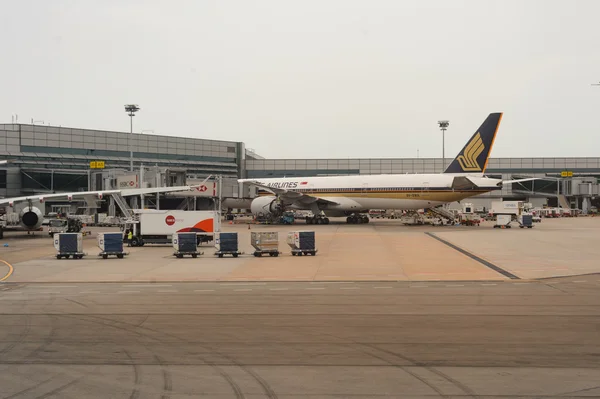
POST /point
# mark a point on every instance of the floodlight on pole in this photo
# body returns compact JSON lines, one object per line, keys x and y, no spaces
{"x":131,"y":109}
{"x":443,"y":126}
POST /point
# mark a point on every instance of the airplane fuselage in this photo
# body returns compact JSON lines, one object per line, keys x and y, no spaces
{"x":399,"y":191}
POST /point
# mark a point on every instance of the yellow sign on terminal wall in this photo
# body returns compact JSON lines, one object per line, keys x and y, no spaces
{"x":97,"y":165}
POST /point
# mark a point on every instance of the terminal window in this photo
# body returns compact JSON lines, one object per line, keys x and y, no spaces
{"x":2,"y":179}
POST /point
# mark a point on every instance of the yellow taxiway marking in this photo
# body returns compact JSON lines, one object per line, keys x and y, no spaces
{"x":10,"y":270}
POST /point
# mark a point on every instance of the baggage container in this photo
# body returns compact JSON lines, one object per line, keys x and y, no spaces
{"x":302,"y":242}
{"x":526,"y":221}
{"x":227,"y":244}
{"x":111,"y":244}
{"x":265,"y":242}
{"x":185,"y":244}
{"x":503,"y":221}
{"x":69,"y":244}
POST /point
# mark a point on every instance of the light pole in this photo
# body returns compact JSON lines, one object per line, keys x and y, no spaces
{"x":131,"y":109}
{"x":443,"y":126}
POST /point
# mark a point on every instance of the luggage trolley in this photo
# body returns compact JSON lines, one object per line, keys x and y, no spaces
{"x":265,"y":242}
{"x":111,"y":244}
{"x":227,"y":244}
{"x":69,"y":244}
{"x":302,"y":243}
{"x":186,"y":244}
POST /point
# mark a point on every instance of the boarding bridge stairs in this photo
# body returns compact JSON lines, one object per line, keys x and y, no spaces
{"x":125,"y":209}
{"x":183,"y":206}
{"x":444,"y":213}
{"x":563,"y":202}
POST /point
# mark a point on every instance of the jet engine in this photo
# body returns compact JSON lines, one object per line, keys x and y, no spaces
{"x":268,"y":206}
{"x":31,"y":218}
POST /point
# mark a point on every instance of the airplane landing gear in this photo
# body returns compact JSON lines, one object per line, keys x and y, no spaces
{"x":317,"y":220}
{"x":357,"y":219}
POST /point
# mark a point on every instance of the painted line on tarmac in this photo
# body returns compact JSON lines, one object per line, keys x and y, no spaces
{"x":382,"y":288}
{"x":476,"y":258}
{"x":11,"y":269}
{"x":52,"y":286}
{"x":278,"y":289}
{"x":128,"y":292}
{"x":315,"y":288}
{"x":204,"y":290}
{"x":349,"y":288}
{"x":244,"y":289}
{"x":146,"y":285}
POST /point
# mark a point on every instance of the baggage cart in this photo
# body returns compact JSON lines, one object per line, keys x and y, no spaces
{"x":69,"y":245}
{"x":186,"y":244}
{"x":265,"y":242}
{"x":227,"y":244}
{"x":111,"y":244}
{"x":526,"y":221}
{"x":503,"y":221}
{"x":302,"y":243}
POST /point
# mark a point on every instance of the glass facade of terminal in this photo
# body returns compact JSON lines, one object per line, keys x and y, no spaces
{"x":322,"y":167}
{"x":52,"y":158}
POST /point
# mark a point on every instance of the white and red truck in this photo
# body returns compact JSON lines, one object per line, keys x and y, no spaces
{"x":158,"y":226}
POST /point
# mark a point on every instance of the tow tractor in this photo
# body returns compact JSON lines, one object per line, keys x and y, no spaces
{"x":68,"y":225}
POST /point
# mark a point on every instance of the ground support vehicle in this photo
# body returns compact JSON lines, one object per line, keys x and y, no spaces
{"x":227,"y":244}
{"x":186,"y":244}
{"x":158,"y":226}
{"x":265,"y":242}
{"x":302,"y":243}
{"x":111,"y":244}
{"x":69,"y":245}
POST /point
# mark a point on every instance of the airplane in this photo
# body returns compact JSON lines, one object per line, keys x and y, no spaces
{"x":31,"y":218}
{"x":354,"y":195}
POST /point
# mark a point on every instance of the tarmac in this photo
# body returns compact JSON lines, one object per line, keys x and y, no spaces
{"x":382,"y":311}
{"x":379,"y":251}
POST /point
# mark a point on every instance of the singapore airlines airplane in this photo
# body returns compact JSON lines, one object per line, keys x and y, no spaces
{"x":352,"y":195}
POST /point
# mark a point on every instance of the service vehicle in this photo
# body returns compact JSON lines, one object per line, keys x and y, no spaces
{"x":151,"y":226}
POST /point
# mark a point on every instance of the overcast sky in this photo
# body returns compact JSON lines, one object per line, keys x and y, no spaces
{"x":312,"y":79}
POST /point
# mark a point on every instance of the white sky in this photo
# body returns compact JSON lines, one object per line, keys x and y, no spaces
{"x":312,"y":78}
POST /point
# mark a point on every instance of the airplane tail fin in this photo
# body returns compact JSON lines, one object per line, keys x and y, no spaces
{"x":473,"y":158}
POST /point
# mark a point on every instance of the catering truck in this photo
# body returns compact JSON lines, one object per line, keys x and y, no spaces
{"x":158,"y":226}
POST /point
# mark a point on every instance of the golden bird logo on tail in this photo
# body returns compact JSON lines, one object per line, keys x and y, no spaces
{"x":468,"y":159}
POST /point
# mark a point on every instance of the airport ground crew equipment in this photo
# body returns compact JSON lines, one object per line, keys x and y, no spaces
{"x":227,"y":244}
{"x":525,"y":220}
{"x":302,"y":243}
{"x":265,"y":242}
{"x":503,"y":221}
{"x":111,"y":244}
{"x":287,"y":218}
{"x":69,"y":244}
{"x":185,"y":244}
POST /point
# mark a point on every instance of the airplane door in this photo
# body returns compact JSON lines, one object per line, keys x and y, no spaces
{"x":425,"y":191}
{"x":364,"y":189}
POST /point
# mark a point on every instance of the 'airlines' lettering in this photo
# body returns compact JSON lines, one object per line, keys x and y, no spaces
{"x":288,"y":184}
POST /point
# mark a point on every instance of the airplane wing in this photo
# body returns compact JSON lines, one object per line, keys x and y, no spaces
{"x":522,"y":180}
{"x":97,"y":194}
{"x":291,"y":195}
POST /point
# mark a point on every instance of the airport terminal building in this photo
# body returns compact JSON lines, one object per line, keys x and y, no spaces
{"x":45,"y":159}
